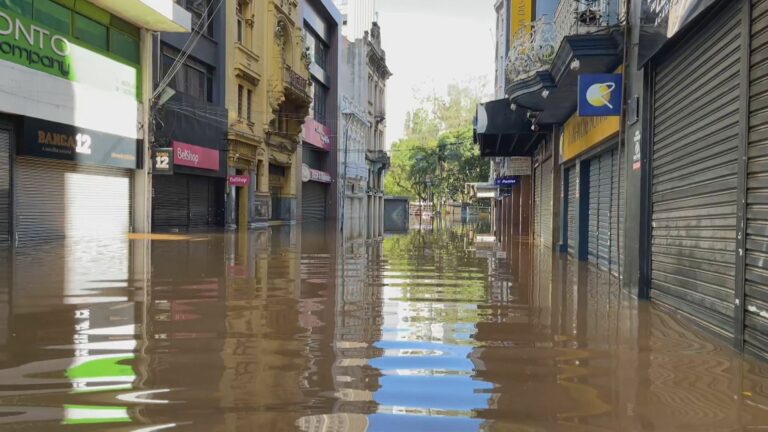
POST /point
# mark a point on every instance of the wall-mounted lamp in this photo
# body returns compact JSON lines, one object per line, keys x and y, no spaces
{"x":575,"y":65}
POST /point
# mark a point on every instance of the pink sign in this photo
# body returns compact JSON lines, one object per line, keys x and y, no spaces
{"x":195,"y":156}
{"x":239,"y":180}
{"x":317,"y":134}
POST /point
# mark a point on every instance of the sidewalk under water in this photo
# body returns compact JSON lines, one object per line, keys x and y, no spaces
{"x":439,"y":329}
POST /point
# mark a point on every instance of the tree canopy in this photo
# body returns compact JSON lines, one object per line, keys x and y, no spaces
{"x":437,"y":156}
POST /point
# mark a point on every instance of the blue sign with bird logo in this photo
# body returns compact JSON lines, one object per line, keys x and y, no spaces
{"x":600,"y":95}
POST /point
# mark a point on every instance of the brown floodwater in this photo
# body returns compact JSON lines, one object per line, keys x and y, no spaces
{"x":291,"y":329}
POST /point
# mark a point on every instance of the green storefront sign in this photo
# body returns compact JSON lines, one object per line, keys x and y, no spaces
{"x":26,"y":43}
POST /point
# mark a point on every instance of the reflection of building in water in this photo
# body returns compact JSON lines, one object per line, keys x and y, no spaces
{"x":334,"y":423}
{"x":72,"y":337}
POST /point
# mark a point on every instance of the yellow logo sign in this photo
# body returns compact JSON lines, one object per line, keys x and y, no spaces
{"x":599,"y":95}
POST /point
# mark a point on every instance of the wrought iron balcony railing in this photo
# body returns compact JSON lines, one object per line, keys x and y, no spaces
{"x":296,"y":81}
{"x":535,"y":46}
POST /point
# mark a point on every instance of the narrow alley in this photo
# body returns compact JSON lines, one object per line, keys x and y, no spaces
{"x":439,"y":329}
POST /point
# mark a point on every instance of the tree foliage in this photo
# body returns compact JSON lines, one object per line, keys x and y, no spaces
{"x":437,"y":156}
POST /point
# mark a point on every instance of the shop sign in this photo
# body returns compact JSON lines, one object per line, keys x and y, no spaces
{"x":309,"y":174}
{"x":195,"y":156}
{"x":662,"y":19}
{"x":32,"y":45}
{"x":317,"y":134}
{"x":60,"y":141}
{"x":520,"y":17}
{"x":600,"y":95}
{"x":583,"y":133}
{"x":506,"y":181}
{"x":238,"y":180}
{"x":162,"y":161}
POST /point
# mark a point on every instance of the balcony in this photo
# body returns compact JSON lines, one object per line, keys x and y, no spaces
{"x":296,"y":83}
{"x":534,"y":48}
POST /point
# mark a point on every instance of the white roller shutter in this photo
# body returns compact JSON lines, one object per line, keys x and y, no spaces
{"x":59,"y":199}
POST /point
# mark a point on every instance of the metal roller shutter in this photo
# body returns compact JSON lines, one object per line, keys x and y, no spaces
{"x":756,"y":270}
{"x":604,"y":211}
{"x":5,"y":186}
{"x":573,"y":208}
{"x":537,"y":203}
{"x":200,"y":202}
{"x":61,"y":199}
{"x":617,"y":212}
{"x":594,"y":210}
{"x":694,"y":179}
{"x":313,"y":202}
{"x":170,"y":202}
{"x":546,"y":202}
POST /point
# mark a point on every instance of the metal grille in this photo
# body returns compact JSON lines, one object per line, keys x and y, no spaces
{"x":756,"y":286}
{"x":5,"y":186}
{"x":618,"y":196}
{"x":60,"y":199}
{"x":604,"y":210}
{"x":313,"y":201}
{"x":537,"y":203}
{"x":594,"y":210}
{"x":694,"y":179}
{"x":170,"y":203}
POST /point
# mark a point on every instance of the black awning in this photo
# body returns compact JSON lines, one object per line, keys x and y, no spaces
{"x":553,"y":93}
{"x":502,"y":132}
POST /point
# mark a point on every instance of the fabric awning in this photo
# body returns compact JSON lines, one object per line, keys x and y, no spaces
{"x":502,"y":132}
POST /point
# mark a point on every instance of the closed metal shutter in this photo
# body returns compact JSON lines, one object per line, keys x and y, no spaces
{"x":618,"y":195}
{"x":537,"y":203}
{"x":546,"y":203}
{"x":313,"y":201}
{"x":573,"y":208}
{"x":594,"y":210}
{"x":694,"y":178}
{"x":202,"y":202}
{"x":604,"y":211}
{"x":756,"y":287}
{"x":5,"y":186}
{"x":60,"y":199}
{"x":170,"y":202}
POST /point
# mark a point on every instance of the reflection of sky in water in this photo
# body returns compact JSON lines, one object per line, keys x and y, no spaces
{"x":396,"y":422}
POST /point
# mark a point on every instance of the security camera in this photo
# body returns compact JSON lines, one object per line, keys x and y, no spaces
{"x":545,"y":94}
{"x":535,"y":127}
{"x":513,"y":107}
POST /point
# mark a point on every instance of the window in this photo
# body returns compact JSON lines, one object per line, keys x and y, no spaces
{"x":240,"y":21}
{"x":53,"y":15}
{"x":248,"y":104}
{"x":193,"y":78}
{"x":200,"y":11}
{"x":123,"y":45}
{"x":319,"y":101}
{"x":21,"y":7}
{"x":91,"y":32}
{"x":318,"y":51}
{"x":240,"y":101}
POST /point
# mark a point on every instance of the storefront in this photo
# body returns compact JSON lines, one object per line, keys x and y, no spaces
{"x":72,"y":182}
{"x":696,"y":146}
{"x":316,"y":182}
{"x":70,"y":125}
{"x":192,"y":198}
{"x":593,"y":184}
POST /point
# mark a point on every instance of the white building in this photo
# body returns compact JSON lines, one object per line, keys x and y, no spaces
{"x":357,"y":16}
{"x":363,"y":159}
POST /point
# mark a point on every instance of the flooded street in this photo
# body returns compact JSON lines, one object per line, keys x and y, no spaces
{"x":439,"y":329}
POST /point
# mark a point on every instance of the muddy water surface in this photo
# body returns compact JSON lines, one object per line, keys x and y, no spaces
{"x":436,"y":330}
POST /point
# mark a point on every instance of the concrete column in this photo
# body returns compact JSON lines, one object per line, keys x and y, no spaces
{"x":142,"y":182}
{"x":381,"y":216}
{"x":252,"y":199}
{"x":370,"y":217}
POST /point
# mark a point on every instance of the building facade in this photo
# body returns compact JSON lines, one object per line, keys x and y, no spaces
{"x":320,"y":150}
{"x":355,"y":126}
{"x":666,"y":193}
{"x":192,"y":123}
{"x":376,"y":156}
{"x":267,"y":98}
{"x":74,"y":145}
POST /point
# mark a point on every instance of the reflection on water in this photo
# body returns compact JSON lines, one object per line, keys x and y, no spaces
{"x":442,"y":329}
